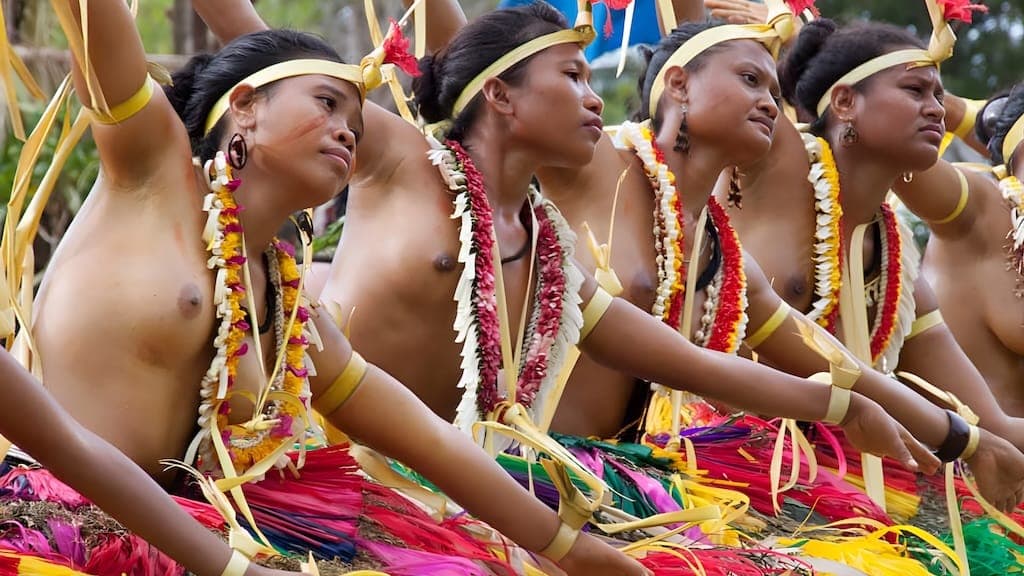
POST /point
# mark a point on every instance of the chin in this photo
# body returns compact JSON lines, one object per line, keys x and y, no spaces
{"x":922,"y":159}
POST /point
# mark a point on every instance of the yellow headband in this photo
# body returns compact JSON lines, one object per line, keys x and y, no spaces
{"x":780,"y":27}
{"x":1012,"y":139}
{"x":348,"y":72}
{"x":583,"y":34}
{"x":940,"y":49}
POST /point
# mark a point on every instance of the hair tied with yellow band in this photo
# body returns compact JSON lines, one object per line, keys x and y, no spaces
{"x":940,"y":46}
{"x":373,"y":70}
{"x":779,"y":26}
{"x":582,"y":33}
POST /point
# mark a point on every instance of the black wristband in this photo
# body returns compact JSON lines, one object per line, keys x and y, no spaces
{"x":956,"y":439}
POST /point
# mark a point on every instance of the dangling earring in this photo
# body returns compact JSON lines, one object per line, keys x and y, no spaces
{"x":735,"y":192}
{"x":850,"y":136}
{"x":238,"y":152}
{"x":683,"y":137}
{"x":908,"y":177}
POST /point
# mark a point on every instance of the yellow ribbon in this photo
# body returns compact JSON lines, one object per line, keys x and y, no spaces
{"x":940,"y":49}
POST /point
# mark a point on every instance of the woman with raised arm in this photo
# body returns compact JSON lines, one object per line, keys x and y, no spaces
{"x":875,"y":98}
{"x":973,"y":259}
{"x":196,"y":323}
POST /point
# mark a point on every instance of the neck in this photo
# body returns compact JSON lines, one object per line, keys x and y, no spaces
{"x":506,"y":169}
{"x":864,"y":183}
{"x":696,"y":173}
{"x":262,"y":213}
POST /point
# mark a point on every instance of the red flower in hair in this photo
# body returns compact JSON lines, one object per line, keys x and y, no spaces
{"x":960,"y":10}
{"x":798,"y":6}
{"x":396,"y":51}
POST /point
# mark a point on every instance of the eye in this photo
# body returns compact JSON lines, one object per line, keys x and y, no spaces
{"x":328,"y":102}
{"x":574,"y":75}
{"x":914,"y":89}
{"x":750,"y":78}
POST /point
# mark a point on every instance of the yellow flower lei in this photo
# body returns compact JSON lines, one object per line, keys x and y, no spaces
{"x":282,"y":406}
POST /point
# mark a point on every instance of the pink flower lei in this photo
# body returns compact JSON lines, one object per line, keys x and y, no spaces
{"x":555,"y":316}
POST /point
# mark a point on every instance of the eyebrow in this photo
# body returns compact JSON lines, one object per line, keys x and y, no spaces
{"x":356,"y":124}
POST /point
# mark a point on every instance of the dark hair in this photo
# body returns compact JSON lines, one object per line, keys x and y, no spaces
{"x":655,"y":61}
{"x":1012,"y":110}
{"x":207,"y":77}
{"x":478,"y":45}
{"x":823,"y":53}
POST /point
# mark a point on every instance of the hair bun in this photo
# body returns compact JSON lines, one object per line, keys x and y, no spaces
{"x":427,"y":91}
{"x":183,"y":82}
{"x":807,"y":46}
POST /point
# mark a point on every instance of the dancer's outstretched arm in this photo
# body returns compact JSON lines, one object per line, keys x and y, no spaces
{"x":383,"y":414}
{"x":35,"y":422}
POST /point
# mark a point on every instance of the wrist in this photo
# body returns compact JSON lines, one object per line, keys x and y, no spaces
{"x":961,"y":439}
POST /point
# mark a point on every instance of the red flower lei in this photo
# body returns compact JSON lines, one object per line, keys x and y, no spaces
{"x":548,"y":335}
{"x":892,"y":274}
{"x":730,"y":319}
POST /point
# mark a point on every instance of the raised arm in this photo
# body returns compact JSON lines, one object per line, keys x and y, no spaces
{"x":947,"y":198}
{"x":133,"y":142}
{"x":385,"y":415}
{"x":35,"y":422}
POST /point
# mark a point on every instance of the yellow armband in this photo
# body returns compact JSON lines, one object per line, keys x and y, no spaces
{"x":129,"y":107}
{"x":971,"y":108}
{"x":924,"y":323}
{"x":561,"y":543}
{"x":769,"y":327}
{"x":594,"y":311}
{"x":961,"y":203}
{"x":343,"y":387}
{"x":237,"y":565}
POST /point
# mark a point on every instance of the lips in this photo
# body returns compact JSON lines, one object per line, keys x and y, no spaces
{"x":766,"y":122}
{"x":341,"y":154}
{"x":594,"y":123}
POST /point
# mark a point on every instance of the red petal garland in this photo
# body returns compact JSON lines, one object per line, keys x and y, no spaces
{"x":893,"y":246}
{"x":734,"y":282}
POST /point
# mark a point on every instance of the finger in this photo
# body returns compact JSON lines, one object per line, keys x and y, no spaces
{"x":734,"y":16}
{"x":926,"y":460}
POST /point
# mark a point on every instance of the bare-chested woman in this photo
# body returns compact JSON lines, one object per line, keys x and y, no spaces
{"x":717,"y":110}
{"x":973,"y":259}
{"x":541,"y":111}
{"x":127,"y":324}
{"x":878,"y":130}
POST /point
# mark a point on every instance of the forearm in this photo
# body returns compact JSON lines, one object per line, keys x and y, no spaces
{"x":103,"y":474}
{"x":955,"y":374}
{"x":631,"y":341}
{"x":115,"y":484}
{"x":229,"y":19}
{"x":927,"y":422}
{"x":444,"y":19}
{"x":386,"y":416}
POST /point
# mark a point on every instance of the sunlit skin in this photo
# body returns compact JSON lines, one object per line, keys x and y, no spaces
{"x":898,"y":116}
{"x":967,"y":263}
{"x":125,"y":321}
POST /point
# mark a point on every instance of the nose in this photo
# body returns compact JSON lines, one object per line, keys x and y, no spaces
{"x":769,"y":105}
{"x":934,"y":109}
{"x":346,"y":137}
{"x":591,"y":101}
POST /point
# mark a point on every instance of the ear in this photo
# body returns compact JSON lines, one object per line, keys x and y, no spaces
{"x":844,"y":101}
{"x":677,"y":81}
{"x":497,"y":95}
{"x":241,"y":102}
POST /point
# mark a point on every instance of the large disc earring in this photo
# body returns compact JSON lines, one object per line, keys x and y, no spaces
{"x":238,"y":152}
{"x":683,"y":136}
